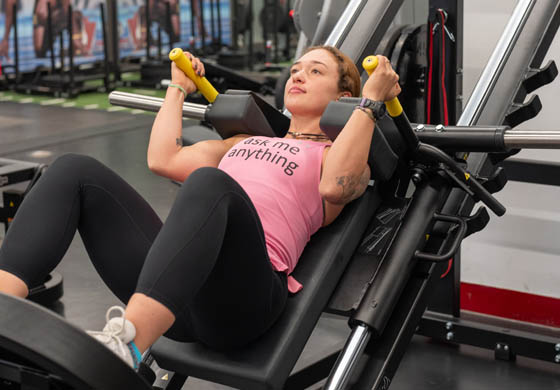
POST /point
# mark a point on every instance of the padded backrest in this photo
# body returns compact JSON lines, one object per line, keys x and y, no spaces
{"x":267,"y":362}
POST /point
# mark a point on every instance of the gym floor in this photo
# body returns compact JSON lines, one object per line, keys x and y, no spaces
{"x":119,"y":140}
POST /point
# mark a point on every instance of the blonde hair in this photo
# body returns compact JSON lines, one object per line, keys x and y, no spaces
{"x":349,"y":77}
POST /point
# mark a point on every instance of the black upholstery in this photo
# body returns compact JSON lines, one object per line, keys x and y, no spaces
{"x":197,"y":133}
{"x":267,"y":363}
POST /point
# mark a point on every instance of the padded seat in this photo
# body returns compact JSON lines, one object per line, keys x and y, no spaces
{"x":267,"y":362}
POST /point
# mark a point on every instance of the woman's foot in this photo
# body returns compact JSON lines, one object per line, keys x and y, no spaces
{"x":118,"y":335}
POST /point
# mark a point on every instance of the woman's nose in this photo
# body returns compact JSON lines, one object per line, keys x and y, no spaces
{"x":297,"y":76}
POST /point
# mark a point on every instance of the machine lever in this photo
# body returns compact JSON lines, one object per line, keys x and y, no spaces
{"x":496,"y":182}
{"x":539,"y":77}
{"x":477,"y":221}
{"x":459,"y":236}
{"x":523,"y":112}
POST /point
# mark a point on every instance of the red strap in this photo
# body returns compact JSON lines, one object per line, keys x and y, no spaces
{"x":430,"y":71}
{"x":443,"y":88}
{"x":449,"y":264}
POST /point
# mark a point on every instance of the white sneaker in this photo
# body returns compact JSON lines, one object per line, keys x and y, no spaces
{"x":118,"y":335}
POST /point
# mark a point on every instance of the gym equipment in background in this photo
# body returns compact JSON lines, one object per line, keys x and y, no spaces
{"x":14,"y":172}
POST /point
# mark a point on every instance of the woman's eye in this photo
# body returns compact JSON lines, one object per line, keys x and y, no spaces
{"x":316,"y":71}
{"x":293,"y":70}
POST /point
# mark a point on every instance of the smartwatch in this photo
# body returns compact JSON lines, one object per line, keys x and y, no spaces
{"x":377,"y":108}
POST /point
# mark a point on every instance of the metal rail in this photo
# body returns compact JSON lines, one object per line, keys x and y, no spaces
{"x":532,"y":139}
{"x":496,"y":63}
{"x":153,"y":104}
{"x":348,"y":358}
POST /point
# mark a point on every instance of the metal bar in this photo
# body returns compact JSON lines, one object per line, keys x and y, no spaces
{"x":531,"y":171}
{"x":516,"y":139}
{"x":219,"y":15}
{"x":275,"y":32}
{"x":202,"y":27}
{"x":153,"y":104}
{"x":345,"y":23}
{"x":534,"y":344}
{"x":148,"y":25}
{"x":70,"y":52}
{"x":348,"y":358}
{"x":496,"y":63}
{"x":288,"y":27}
{"x":193,"y":27}
{"x":50,"y":36}
{"x":212,"y":24}
{"x":234,"y":21}
{"x":169,"y":22}
{"x":251,"y":54}
{"x":368,"y":23}
{"x":105,"y":47}
{"x":16,"y":44}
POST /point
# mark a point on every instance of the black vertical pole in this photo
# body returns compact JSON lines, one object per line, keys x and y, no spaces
{"x":159,"y":43}
{"x":250,"y":59}
{"x":71,"y":51}
{"x":234,"y":9}
{"x":16,"y":45}
{"x":105,"y":48}
{"x":50,"y":36}
{"x":212,"y":28}
{"x":288,"y":27}
{"x":171,"y":34}
{"x":116,"y":40}
{"x":275,"y":29}
{"x":446,"y":299}
{"x":148,"y":25}
{"x":61,"y":41}
{"x":193,"y":26}
{"x":202,"y":32}
{"x":219,"y":23}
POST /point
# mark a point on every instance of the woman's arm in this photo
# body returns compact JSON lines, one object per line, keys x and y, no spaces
{"x":346,"y":173}
{"x":166,"y":155}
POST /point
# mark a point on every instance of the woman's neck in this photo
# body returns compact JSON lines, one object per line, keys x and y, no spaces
{"x":309,"y":125}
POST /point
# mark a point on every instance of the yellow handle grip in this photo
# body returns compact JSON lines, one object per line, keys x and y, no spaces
{"x":394,"y":107}
{"x":181,"y":60}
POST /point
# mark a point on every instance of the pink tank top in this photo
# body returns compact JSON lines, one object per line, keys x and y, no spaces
{"x":281,"y":177}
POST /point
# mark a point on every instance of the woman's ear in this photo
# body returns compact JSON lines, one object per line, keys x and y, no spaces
{"x":345,"y":94}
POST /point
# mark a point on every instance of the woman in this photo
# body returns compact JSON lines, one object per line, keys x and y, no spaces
{"x":217,"y":270}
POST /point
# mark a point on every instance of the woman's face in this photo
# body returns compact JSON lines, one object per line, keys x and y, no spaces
{"x":313,"y":83}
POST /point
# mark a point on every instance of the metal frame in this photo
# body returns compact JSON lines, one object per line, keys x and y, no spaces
{"x":503,"y":84}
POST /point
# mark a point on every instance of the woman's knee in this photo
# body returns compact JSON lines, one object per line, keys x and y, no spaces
{"x":211,"y":180}
{"x":72,"y":167}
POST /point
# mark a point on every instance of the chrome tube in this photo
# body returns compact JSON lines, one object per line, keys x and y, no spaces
{"x":348,"y":358}
{"x":496,"y":63}
{"x":150,"y":103}
{"x":532,"y":139}
{"x":345,"y":23}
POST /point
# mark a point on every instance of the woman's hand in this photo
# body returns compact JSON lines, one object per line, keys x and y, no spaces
{"x":383,"y":83}
{"x":180,"y":78}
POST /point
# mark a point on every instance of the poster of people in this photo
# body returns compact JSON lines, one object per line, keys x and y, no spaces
{"x":34,"y":46}
{"x":133,"y":32}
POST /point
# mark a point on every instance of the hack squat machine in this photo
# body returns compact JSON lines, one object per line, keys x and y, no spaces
{"x":379,"y":264}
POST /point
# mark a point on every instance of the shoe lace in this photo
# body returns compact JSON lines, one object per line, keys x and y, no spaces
{"x":113,"y":333}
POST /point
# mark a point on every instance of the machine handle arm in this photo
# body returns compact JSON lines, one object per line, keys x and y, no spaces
{"x":395,"y":110}
{"x":394,"y":107}
{"x":181,"y":60}
{"x":435,"y":154}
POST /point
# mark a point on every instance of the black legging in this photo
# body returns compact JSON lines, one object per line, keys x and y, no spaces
{"x":207,"y":263}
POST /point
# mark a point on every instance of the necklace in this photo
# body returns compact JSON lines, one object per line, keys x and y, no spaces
{"x":310,"y":136}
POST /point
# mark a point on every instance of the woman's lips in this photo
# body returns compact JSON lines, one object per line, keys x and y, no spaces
{"x":296,"y":90}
